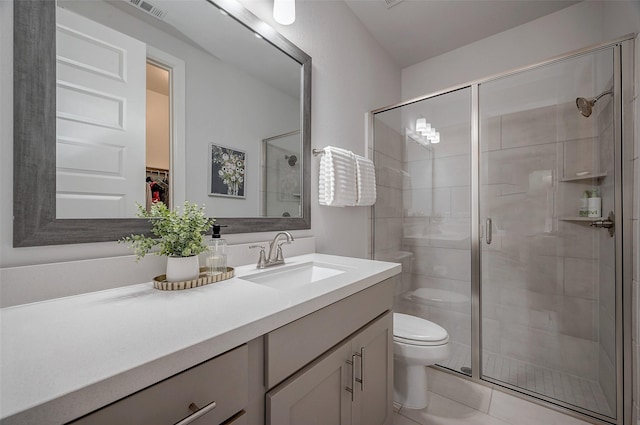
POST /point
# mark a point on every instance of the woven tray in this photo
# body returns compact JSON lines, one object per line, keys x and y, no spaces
{"x":160,"y":282}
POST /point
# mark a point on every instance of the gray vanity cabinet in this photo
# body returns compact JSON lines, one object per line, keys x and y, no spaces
{"x":212,"y":393}
{"x":350,"y":384}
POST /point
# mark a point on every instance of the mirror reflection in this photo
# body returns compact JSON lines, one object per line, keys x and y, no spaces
{"x":162,"y":101}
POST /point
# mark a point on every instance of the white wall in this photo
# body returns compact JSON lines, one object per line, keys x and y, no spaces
{"x":351,"y":75}
{"x":578,"y":26}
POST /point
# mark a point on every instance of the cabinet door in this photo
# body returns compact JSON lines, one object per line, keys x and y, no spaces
{"x":316,"y":395}
{"x":373,"y":347}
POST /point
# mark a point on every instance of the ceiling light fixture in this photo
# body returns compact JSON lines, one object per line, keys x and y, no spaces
{"x":284,"y":11}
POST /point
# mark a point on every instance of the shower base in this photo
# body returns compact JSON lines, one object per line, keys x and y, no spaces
{"x":552,"y":383}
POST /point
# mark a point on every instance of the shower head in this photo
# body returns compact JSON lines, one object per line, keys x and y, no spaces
{"x":291,"y":160}
{"x":585,"y":106}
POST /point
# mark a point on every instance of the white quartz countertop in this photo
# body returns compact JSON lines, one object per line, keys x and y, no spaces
{"x":66,"y":357}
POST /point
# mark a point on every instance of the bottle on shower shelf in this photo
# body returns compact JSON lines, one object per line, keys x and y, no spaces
{"x":594,"y":203}
{"x":583,"y":211}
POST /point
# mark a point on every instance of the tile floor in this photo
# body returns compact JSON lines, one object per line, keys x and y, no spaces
{"x":456,"y":401}
{"x":549,"y":382}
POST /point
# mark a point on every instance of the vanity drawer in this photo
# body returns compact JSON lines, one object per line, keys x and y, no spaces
{"x":239,"y":419}
{"x":223,"y":380}
{"x":291,"y":347}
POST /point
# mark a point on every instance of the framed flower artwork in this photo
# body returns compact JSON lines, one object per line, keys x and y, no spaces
{"x":227,"y":171}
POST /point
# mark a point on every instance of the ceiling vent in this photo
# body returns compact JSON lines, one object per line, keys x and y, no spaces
{"x":391,"y":3}
{"x":147,"y":7}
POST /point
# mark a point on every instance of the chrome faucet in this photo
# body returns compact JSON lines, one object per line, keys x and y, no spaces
{"x":279,"y":258}
{"x":275,"y":256}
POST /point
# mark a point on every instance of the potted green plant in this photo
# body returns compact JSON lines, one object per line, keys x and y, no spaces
{"x":179,"y":236}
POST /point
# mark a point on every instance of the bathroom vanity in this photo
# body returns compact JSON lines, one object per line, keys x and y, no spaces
{"x":241,"y":351}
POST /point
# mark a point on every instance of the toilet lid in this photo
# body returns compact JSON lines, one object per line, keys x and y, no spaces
{"x":417,"y":331}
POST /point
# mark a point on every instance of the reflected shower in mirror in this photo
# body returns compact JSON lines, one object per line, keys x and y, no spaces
{"x":281,"y":175}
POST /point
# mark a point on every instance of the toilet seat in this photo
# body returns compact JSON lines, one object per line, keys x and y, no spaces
{"x":417,"y":331}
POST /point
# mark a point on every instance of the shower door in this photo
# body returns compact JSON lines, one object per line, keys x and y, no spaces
{"x":547,"y":273}
{"x":423,"y":213}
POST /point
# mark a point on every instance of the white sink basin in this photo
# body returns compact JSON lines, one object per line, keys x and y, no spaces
{"x":295,"y":275}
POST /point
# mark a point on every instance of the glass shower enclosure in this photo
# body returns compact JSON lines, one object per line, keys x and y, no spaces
{"x":503,"y":201}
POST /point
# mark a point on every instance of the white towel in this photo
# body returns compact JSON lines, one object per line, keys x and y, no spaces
{"x":366,"y":179}
{"x":337,"y":183}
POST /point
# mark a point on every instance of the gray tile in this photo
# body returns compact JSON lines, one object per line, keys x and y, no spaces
{"x":578,"y":317}
{"x":490,"y":133}
{"x":581,"y":278}
{"x":571,"y":125}
{"x":531,"y":127}
{"x":580,"y":156}
{"x":458,"y":389}
{"x":520,"y":412}
{"x":402,"y":420}
{"x":454,"y":140}
{"x":443,"y":411}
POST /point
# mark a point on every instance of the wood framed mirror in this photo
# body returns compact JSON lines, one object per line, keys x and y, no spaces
{"x":36,"y":221}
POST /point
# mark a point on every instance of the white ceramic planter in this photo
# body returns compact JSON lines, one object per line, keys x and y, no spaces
{"x":180,"y":269}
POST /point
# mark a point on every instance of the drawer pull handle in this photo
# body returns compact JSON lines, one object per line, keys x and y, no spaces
{"x":352,"y":363}
{"x":197,"y":413}
{"x":361,"y":380}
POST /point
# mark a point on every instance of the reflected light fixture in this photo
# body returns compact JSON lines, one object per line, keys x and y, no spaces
{"x":421,"y":125}
{"x":284,"y":11}
{"x":427,"y":131}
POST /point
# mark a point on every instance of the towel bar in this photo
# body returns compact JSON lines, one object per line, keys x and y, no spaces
{"x":317,"y":152}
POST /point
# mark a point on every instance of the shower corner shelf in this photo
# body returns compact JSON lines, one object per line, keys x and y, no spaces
{"x":585,"y":177}
{"x":584,"y":219}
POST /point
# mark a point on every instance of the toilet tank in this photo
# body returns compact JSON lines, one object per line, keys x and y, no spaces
{"x":406,"y":259}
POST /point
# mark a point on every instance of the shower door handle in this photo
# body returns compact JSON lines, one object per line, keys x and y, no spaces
{"x":488,"y":229}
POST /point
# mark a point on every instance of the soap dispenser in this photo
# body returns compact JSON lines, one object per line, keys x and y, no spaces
{"x":217,"y":253}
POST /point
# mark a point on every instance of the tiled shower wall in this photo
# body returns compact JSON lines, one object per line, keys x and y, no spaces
{"x":281,"y":194}
{"x":389,"y":175}
{"x":436,"y":199}
{"x":606,"y":257}
{"x":389,"y":231}
{"x":543,"y":299}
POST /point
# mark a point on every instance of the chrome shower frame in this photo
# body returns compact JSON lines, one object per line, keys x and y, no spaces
{"x":623,"y":94}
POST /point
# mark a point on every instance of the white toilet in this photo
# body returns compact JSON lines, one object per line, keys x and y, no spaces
{"x":417,"y":343}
